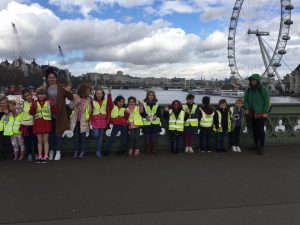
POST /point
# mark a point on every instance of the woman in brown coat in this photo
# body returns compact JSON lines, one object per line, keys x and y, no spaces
{"x":60,"y":121}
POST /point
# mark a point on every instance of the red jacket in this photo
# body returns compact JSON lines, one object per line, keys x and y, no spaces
{"x":120,"y":120}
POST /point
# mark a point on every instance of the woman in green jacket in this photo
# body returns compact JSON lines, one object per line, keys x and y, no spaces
{"x":257,"y":104}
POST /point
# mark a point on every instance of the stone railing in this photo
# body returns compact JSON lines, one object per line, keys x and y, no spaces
{"x":282,"y":127}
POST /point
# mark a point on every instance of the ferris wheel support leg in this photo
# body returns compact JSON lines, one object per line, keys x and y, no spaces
{"x":266,"y":53}
{"x":263,"y":53}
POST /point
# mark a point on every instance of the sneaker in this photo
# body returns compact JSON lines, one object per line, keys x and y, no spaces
{"x":57,"y":156}
{"x":186,"y":150}
{"x":82,"y":155}
{"x":98,"y":154}
{"x":234,"y":148}
{"x":39,"y":161}
{"x":201,"y":150}
{"x":130,"y":152}
{"x":238,"y":149}
{"x":29,"y":158}
{"x":44,"y":160}
{"x":208,"y":151}
{"x":191,"y":150}
{"x":136,"y":152}
{"x":51,"y":155}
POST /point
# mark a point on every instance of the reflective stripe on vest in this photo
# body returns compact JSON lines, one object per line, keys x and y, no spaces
{"x":99,"y":109}
{"x":176,"y":124}
{"x":13,"y":126}
{"x":86,"y":111}
{"x":43,"y":112}
{"x":2,"y":125}
{"x":151,"y":112}
{"x":220,"y":122}
{"x":206,"y":120}
{"x":191,"y":121}
{"x":136,"y":117}
{"x":26,"y":115}
{"x":116,"y":112}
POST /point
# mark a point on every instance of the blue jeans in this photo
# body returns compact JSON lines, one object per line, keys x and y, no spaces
{"x":235,"y":136}
{"x":55,"y":141}
{"x":80,"y":139}
{"x":220,"y":140}
{"x":205,"y":136}
{"x":98,"y":135}
{"x":124,"y":133}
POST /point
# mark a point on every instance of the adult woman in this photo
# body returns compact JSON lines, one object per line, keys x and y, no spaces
{"x":60,"y":121}
{"x":151,"y":118}
{"x":257,"y":104}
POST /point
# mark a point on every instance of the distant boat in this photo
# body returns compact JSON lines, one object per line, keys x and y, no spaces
{"x":232,"y":93}
{"x":197,"y":91}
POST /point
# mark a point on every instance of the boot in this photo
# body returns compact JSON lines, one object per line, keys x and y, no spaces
{"x":82,"y":155}
{"x":22,"y":156}
{"x":16,"y":154}
{"x":260,"y":150}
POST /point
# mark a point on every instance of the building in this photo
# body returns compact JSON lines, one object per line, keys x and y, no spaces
{"x":295,"y":81}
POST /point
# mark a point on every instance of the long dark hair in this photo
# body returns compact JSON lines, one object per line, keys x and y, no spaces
{"x":103,"y":94}
{"x":118,"y":98}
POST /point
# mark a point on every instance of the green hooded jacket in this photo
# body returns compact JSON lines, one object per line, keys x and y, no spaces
{"x":257,"y":99}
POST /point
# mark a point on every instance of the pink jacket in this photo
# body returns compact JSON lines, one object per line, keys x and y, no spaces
{"x":101,"y":121}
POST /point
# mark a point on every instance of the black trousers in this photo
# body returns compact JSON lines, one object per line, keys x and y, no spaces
{"x":176,"y":142}
{"x":258,"y":132}
{"x":30,"y":142}
{"x":6,"y":148}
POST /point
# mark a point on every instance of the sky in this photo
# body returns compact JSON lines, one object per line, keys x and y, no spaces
{"x":144,"y":37}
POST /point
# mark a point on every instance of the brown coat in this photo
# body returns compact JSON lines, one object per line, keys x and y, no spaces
{"x":62,"y":120}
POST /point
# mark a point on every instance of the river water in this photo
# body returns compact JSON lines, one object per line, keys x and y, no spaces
{"x":167,"y":96}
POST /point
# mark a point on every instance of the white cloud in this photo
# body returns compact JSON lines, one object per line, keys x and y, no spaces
{"x":141,"y":49}
{"x":168,"y":7}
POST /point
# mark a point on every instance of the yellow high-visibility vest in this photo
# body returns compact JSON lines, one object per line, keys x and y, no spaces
{"x":206,"y":120}
{"x":12,"y":127}
{"x":25,"y":113}
{"x":151,"y":112}
{"x":220,"y":129}
{"x":86,"y":111}
{"x":43,"y":112}
{"x":191,"y":121}
{"x":136,"y":117}
{"x":176,"y":123}
{"x":116,"y":112}
{"x":99,"y":109}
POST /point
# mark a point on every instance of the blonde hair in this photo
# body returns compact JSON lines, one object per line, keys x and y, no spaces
{"x":239,"y":100}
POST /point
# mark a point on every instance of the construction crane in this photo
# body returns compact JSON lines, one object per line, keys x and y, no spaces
{"x":62,"y":62}
{"x":20,"y":52}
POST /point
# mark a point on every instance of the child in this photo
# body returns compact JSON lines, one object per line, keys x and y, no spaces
{"x":135,"y":121}
{"x":27,"y":125}
{"x":119,"y":120}
{"x":5,"y":143}
{"x":237,"y":123}
{"x":175,"y":117}
{"x":223,"y":125}
{"x":12,"y":130}
{"x":100,"y":116}
{"x":42,"y":109}
{"x":206,"y":121}
{"x":79,"y":121}
{"x":191,"y":122}
{"x":151,"y":117}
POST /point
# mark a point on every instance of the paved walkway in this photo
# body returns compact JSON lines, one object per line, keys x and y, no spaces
{"x":210,"y":189}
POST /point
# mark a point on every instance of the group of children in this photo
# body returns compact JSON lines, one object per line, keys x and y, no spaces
{"x":27,"y":127}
